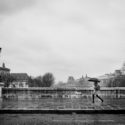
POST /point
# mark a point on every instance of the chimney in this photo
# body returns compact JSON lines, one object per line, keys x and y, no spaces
{"x":3,"y":65}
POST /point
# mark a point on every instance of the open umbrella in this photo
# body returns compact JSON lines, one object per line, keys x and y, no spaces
{"x":94,"y":80}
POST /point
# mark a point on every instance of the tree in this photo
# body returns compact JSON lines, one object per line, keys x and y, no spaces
{"x":7,"y":79}
{"x":38,"y":81}
{"x":35,"y":82}
{"x":30,"y":81}
{"x":48,"y":80}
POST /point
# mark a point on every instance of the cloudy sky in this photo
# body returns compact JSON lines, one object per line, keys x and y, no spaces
{"x":65,"y":37}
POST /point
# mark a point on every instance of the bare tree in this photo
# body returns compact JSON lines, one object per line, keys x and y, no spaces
{"x":48,"y":80}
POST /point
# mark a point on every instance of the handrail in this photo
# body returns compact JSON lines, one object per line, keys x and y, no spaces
{"x":52,"y":88}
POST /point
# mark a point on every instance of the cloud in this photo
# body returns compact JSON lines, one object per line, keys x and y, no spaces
{"x":64,"y":37}
{"x":12,"y":6}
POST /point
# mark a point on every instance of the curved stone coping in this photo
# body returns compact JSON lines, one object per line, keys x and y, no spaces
{"x":47,"y":89}
{"x":61,"y":111}
{"x":64,"y":89}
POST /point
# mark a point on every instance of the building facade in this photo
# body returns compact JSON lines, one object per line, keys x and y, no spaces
{"x":20,"y":80}
{"x":4,"y":70}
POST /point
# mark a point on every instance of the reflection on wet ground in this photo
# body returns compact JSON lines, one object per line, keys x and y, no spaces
{"x":66,"y":103}
{"x":49,"y":119}
{"x":63,"y":103}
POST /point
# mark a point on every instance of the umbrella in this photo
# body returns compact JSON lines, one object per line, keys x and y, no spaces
{"x":94,"y":80}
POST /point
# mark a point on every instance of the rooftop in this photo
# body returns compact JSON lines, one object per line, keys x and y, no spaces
{"x":20,"y":76}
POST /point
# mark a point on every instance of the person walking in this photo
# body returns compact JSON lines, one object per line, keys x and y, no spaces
{"x":96,"y":91}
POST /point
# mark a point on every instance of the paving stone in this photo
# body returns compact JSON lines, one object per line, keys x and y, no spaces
{"x":112,"y":104}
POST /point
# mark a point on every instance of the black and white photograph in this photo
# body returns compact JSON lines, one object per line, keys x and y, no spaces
{"x":62,"y":62}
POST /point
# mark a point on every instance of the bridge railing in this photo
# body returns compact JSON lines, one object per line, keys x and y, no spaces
{"x":114,"y":92}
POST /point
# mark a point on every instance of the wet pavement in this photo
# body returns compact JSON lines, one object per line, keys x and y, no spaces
{"x":49,"y":119}
{"x":63,"y":104}
{"x":57,"y":103}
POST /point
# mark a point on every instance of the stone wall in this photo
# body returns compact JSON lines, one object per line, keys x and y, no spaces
{"x":37,"y":93}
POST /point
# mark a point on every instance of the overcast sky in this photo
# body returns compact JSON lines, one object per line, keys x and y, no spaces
{"x":65,"y":37}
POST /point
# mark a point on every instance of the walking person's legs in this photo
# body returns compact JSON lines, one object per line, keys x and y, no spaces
{"x":93,"y":97}
{"x":99,"y":97}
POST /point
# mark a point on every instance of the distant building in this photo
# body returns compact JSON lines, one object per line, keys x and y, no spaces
{"x":70,"y":80}
{"x":123,"y":69}
{"x":76,"y":83}
{"x":118,"y":73}
{"x":83,"y":82}
{"x":20,"y":80}
{"x":105,"y":79}
{"x":108,"y":78}
{"x":4,"y":70}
